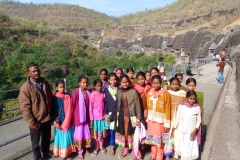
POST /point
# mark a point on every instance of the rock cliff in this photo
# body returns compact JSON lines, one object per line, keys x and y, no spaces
{"x":192,"y":44}
{"x":195,"y":44}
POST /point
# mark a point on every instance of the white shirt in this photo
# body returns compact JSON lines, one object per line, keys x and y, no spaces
{"x":187,"y":118}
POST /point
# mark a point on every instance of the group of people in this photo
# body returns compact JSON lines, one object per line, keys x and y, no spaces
{"x":131,"y":113}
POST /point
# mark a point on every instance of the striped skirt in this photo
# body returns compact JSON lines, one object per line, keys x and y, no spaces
{"x":124,"y":133}
{"x":63,"y":142}
{"x":99,"y":130}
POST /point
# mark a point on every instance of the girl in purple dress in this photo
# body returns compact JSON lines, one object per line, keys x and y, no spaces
{"x":81,"y":119}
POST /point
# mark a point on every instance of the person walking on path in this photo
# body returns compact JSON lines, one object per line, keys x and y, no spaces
{"x":35,"y":105}
{"x":221,"y":66}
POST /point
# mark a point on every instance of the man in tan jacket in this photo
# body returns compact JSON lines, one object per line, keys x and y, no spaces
{"x":35,"y":105}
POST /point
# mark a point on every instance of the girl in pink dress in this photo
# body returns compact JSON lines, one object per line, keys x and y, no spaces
{"x":81,"y":119}
{"x":97,"y":116}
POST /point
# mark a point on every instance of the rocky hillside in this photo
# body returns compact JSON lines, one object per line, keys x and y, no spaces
{"x":186,"y":28}
{"x":192,"y":44}
{"x":212,"y":22}
{"x":57,"y":15}
{"x":181,"y":9}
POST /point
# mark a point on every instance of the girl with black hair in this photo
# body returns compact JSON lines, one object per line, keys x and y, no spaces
{"x":177,"y":95}
{"x":119,"y":72}
{"x":129,"y":115}
{"x":130,"y":73}
{"x":142,"y":88}
{"x":103,"y":76}
{"x":96,"y":111}
{"x":179,"y":76}
{"x":110,"y":108}
{"x":191,"y":84}
{"x":63,"y":144}
{"x":155,"y":71}
{"x":81,"y":120}
{"x":158,"y":119}
{"x":187,"y":123}
{"x":148,"y":77}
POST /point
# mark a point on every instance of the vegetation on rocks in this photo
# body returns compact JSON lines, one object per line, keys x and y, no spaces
{"x":57,"y":15}
{"x":70,"y":16}
{"x":181,"y":9}
{"x":24,"y":41}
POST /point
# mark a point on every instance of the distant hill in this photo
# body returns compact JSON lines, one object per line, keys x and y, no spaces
{"x":179,"y":10}
{"x":74,"y":16}
{"x":58,"y":15}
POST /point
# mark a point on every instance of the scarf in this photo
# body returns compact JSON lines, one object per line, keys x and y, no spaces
{"x":155,"y":94}
{"x":67,"y":109}
{"x":113,"y":92}
{"x":189,"y":105}
{"x":115,"y":70}
{"x":179,"y":93}
{"x":141,"y":89}
{"x":139,"y":134}
{"x":96,"y":98}
{"x":82,"y":106}
{"x":105,"y":85}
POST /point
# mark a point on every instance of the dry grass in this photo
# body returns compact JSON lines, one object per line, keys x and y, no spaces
{"x":70,"y":16}
{"x":232,"y":25}
{"x":179,"y":10}
{"x":214,"y":25}
{"x":58,"y":15}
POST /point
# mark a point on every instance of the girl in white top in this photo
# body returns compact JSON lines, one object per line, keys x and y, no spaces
{"x":187,"y":122}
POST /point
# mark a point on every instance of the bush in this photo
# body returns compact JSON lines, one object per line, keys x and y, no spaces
{"x":119,"y":53}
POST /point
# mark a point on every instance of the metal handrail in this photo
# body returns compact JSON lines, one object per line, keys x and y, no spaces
{"x":14,"y":139}
{"x":11,"y":90}
{"x":9,"y":110}
{"x":173,"y":71}
{"x":201,"y":62}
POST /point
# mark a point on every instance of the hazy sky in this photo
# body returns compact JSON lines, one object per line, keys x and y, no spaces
{"x":111,"y":7}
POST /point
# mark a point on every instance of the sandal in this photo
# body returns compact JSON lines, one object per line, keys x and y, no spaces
{"x":95,"y":152}
{"x":122,"y":155}
{"x":121,"y":150}
{"x":87,"y":152}
{"x":104,"y":151}
{"x":112,"y":151}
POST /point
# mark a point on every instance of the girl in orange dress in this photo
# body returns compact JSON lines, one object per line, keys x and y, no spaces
{"x":159,"y":114}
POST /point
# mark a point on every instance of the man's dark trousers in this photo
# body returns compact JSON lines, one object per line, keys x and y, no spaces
{"x":44,"y":132}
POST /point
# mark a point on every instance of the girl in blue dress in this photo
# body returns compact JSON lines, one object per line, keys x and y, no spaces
{"x":61,"y":115}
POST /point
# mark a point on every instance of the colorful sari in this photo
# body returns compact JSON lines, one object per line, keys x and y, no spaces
{"x":82,"y":136}
{"x":63,"y":138}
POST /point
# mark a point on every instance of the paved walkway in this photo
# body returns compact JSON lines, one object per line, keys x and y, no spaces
{"x":227,"y":142}
{"x":21,"y":150}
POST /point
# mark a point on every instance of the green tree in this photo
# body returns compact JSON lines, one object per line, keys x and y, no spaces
{"x":119,"y":53}
{"x":80,"y":52}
